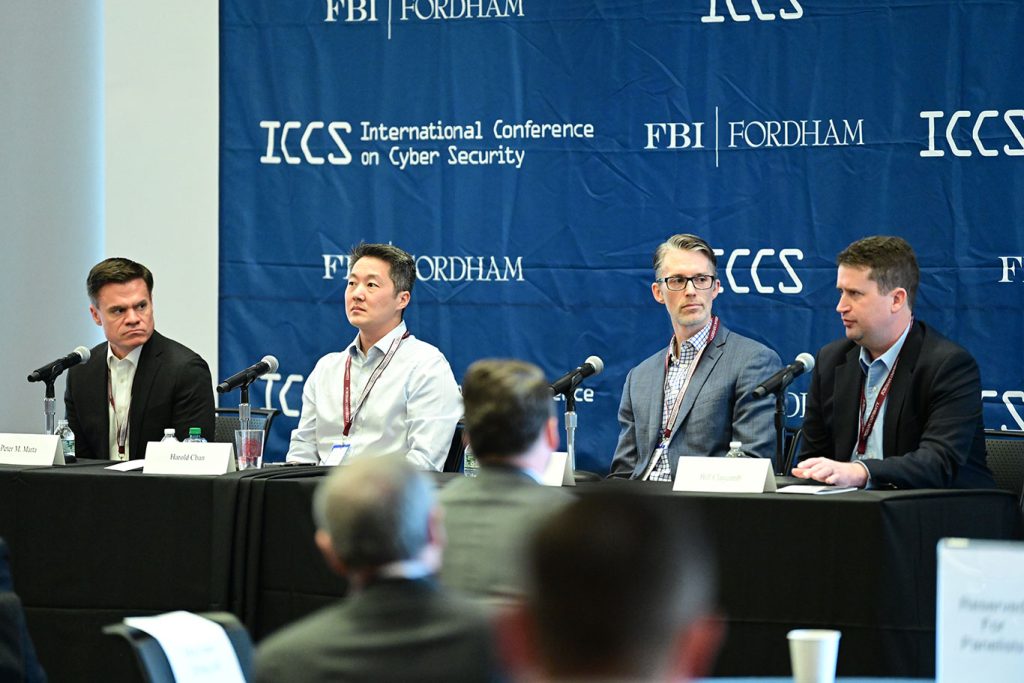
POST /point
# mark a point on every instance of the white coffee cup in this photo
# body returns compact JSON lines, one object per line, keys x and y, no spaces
{"x":813,"y":653}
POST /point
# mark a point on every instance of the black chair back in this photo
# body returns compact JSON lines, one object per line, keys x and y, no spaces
{"x":227,"y":422}
{"x":457,"y":451}
{"x":153,"y":664}
{"x":1005,"y":457}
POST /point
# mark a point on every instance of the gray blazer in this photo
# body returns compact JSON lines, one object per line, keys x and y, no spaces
{"x":717,"y":407}
{"x":488,"y":520}
{"x":398,"y":630}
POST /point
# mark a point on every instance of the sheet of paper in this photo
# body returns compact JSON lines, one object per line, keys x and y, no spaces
{"x":816,"y":490}
{"x":198,"y":650}
{"x":126,"y":466}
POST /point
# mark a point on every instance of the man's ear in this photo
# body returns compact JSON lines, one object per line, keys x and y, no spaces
{"x":551,"y":432}
{"x":403,"y":299}
{"x":697,"y":646}
{"x":95,"y":315}
{"x":323,"y":542}
{"x":436,"y":533}
{"x":899,"y":298}
{"x":656,"y":291}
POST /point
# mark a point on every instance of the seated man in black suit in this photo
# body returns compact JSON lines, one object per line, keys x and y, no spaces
{"x":17,"y":656}
{"x":138,"y":383}
{"x":895,"y":403}
{"x":621,"y":588}
{"x":512,"y":430}
{"x":379,"y":527}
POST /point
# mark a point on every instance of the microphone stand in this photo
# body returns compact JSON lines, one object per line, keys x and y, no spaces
{"x":49,"y":425}
{"x":780,"y":421}
{"x":780,"y":427}
{"x":570,"y":420}
{"x":244,"y":410}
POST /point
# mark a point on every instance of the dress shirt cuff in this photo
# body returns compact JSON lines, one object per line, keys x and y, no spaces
{"x":867,"y":484}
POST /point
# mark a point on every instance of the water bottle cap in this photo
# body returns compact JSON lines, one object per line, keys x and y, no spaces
{"x":194,"y":431}
{"x":169,"y":430}
{"x":735,"y":444}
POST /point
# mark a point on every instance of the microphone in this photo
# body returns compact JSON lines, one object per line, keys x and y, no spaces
{"x":50,"y":371}
{"x":781,"y":379}
{"x":592,"y":366}
{"x":247,"y":376}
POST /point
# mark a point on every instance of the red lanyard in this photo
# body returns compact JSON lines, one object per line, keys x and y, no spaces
{"x":667,"y":434}
{"x":348,"y":413}
{"x":867,"y":426}
{"x":120,"y":430}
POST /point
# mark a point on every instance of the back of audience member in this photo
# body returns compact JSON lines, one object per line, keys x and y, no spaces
{"x":17,"y":655}
{"x":621,"y":588}
{"x":378,"y":525}
{"x":512,"y":430}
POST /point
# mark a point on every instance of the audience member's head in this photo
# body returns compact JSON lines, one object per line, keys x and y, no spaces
{"x":509,"y":411}
{"x":621,"y":587}
{"x":375,"y":512}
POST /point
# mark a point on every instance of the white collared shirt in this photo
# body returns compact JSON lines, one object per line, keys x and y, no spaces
{"x":877,"y":371}
{"x":122,"y":376}
{"x":411,"y":411}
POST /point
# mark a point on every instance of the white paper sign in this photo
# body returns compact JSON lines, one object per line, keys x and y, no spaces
{"x":31,"y":449}
{"x":558,"y":472}
{"x":171,"y":457}
{"x":197,"y":649}
{"x":724,"y":475}
{"x":979,"y":619}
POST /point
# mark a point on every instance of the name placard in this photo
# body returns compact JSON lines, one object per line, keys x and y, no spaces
{"x":41,"y":450}
{"x":979,"y":618}
{"x":724,"y":475}
{"x":558,"y":472}
{"x":169,"y":457}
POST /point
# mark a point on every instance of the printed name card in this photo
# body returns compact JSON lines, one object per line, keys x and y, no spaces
{"x":169,"y":457}
{"x":558,"y":472}
{"x":41,"y":450}
{"x":979,"y":618}
{"x":197,"y":649}
{"x":724,"y":475}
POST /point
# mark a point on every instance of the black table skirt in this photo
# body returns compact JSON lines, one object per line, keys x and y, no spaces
{"x":90,"y":547}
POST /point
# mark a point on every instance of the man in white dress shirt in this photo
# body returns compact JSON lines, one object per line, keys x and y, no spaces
{"x":387,"y":393}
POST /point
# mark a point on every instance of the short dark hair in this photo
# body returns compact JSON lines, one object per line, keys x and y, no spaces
{"x":376,"y":511}
{"x":686,"y":242}
{"x":891,"y":261}
{"x":402,"y":266}
{"x":613,"y":580}
{"x":116,"y":270}
{"x":506,"y":404}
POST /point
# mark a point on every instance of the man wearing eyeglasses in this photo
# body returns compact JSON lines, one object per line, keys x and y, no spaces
{"x":693,"y":397}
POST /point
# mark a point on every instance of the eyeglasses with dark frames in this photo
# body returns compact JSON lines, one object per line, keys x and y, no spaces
{"x":677,"y":283}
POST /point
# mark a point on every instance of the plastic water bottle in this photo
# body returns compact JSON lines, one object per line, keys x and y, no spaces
{"x":169,"y":435}
{"x":470,"y":465}
{"x":195,"y":435}
{"x":735,"y":450}
{"x":67,"y":440}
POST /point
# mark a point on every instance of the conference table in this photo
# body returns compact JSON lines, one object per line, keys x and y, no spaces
{"x":90,"y":546}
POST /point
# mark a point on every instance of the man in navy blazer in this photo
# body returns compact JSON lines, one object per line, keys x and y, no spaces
{"x":138,"y":382}
{"x":698,"y":389}
{"x":894,"y":403}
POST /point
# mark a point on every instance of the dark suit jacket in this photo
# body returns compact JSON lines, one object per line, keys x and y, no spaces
{"x":393,"y":630}
{"x":172,"y":388}
{"x":17,"y":656}
{"x":933,"y":435}
{"x":717,"y":406}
